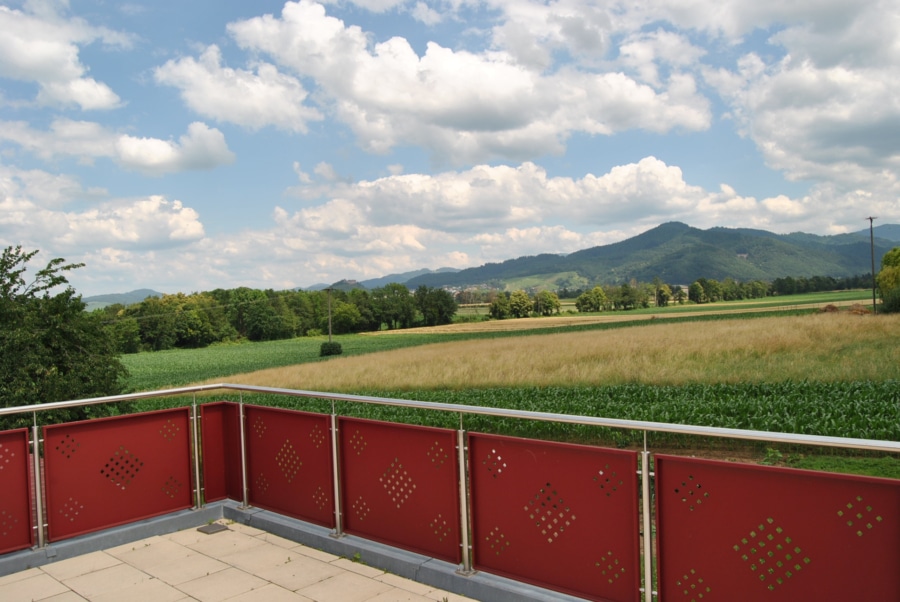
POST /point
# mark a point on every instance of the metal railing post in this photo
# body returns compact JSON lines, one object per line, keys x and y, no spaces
{"x":649,"y":539}
{"x":38,"y":487}
{"x":463,"y":501}
{"x":195,"y":445}
{"x":336,"y":476}
{"x":245,"y":497}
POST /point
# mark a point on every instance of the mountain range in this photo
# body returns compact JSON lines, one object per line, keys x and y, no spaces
{"x":680,"y":254}
{"x":673,"y":252}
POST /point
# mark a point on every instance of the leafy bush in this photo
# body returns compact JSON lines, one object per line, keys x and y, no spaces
{"x":890,"y":301}
{"x":330,"y":348}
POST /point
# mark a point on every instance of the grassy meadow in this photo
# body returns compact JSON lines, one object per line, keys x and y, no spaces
{"x":825,"y":373}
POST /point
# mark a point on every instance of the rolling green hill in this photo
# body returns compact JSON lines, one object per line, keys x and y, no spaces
{"x":680,"y":254}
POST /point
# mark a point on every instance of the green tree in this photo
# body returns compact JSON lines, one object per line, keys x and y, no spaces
{"x":519,"y":304}
{"x":546,"y":303}
{"x":663,"y":295}
{"x":50,"y":348}
{"x":394,"y":306}
{"x":436,"y":305}
{"x":499,"y":309}
{"x":593,"y":300}
{"x":888,"y":281}
{"x":696,"y":293}
{"x":345,"y":318}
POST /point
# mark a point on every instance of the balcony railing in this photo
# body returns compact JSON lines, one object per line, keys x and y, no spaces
{"x":587,"y":521}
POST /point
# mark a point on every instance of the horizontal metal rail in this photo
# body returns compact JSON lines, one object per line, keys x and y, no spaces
{"x":636,"y":425}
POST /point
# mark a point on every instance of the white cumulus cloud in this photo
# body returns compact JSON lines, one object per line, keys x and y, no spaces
{"x":40,"y":46}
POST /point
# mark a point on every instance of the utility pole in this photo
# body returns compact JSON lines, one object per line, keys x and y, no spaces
{"x":872,"y":245}
{"x":329,"y":314}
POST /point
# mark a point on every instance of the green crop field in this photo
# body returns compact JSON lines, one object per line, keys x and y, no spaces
{"x":850,"y":388}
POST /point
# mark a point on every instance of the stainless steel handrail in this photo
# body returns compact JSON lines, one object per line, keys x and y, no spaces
{"x":638,"y":425}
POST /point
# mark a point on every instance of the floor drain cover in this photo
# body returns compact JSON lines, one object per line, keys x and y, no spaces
{"x":212,"y":528}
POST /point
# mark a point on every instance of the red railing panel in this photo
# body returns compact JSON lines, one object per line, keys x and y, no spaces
{"x":740,"y":532}
{"x":16,"y":514}
{"x":289,"y":466}
{"x":111,"y":471}
{"x":221,"y":451}
{"x":400,"y":486}
{"x":560,"y":516}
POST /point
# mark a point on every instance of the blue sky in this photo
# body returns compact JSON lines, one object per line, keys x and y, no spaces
{"x":187,"y":146}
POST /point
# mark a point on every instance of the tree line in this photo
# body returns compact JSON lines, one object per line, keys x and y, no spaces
{"x":222,"y":315}
{"x":633,"y":295}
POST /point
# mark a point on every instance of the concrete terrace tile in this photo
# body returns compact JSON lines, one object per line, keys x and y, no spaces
{"x":80,"y":565}
{"x":186,"y":569}
{"x":358,"y":568}
{"x":150,"y":552}
{"x":67,"y":596}
{"x":224,"y":544}
{"x":299,"y":573}
{"x":279,"y":541}
{"x":36,"y":587}
{"x":221,"y":585}
{"x":345,"y":587}
{"x":317,"y":554}
{"x":399,"y":582}
{"x":106,"y":580}
{"x":260,"y":557}
{"x":189,"y":537}
{"x":270,"y":593}
{"x":26,"y":574}
{"x":398,"y":595}
{"x":245,"y":529}
{"x":152,"y":590}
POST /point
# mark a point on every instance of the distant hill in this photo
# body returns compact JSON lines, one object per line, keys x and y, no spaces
{"x":401,"y":278}
{"x":680,"y":254}
{"x":100,"y":301}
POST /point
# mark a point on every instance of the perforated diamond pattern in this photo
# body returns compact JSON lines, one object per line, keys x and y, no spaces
{"x":440,"y":527}
{"x":262,"y":484}
{"x":494,"y":463}
{"x":320,"y":498}
{"x":289,"y":461}
{"x":608,"y":481}
{"x":610,"y":567}
{"x":361,"y":508}
{"x":859,"y":516}
{"x":317,"y":436}
{"x":6,"y":456}
{"x":437,"y":454}
{"x":549,"y":513}
{"x":7,"y":523}
{"x":497,"y":541}
{"x":122,"y":468}
{"x":692,"y":586}
{"x":771,"y":554}
{"x":169,"y":430}
{"x":171,"y":487}
{"x":691,"y":493}
{"x":71,"y":509}
{"x":358,"y":443}
{"x":397,"y":483}
{"x":68,"y":446}
{"x":259,"y":426}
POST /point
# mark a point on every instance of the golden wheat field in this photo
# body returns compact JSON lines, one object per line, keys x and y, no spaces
{"x":825,"y":347}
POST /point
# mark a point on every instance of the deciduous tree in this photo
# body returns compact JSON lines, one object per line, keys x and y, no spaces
{"x":50,"y":348}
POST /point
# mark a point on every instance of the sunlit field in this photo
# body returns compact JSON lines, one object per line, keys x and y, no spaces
{"x":825,"y":347}
{"x":828,"y":373}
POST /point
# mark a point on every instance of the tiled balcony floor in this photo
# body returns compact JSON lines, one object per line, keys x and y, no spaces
{"x":240,"y":564}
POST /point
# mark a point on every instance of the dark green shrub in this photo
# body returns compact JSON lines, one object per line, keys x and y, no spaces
{"x":890,"y":301}
{"x":330,"y":348}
